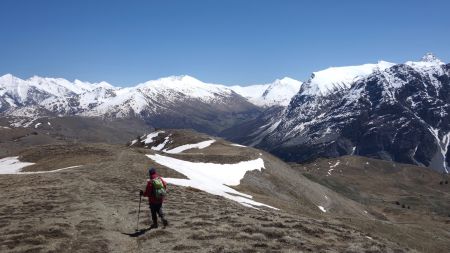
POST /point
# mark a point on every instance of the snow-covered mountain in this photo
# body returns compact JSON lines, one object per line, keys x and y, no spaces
{"x":397,"y":112}
{"x":38,"y":95}
{"x":59,"y":96}
{"x":176,"y":101}
{"x":278,"y":93}
{"x":384,"y":110}
{"x":333,"y":79}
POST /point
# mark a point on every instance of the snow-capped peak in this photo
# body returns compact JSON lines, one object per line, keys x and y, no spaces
{"x":185,"y":84}
{"x":54,"y":86}
{"x":174,"y":82}
{"x":429,"y":62}
{"x":8,"y":78}
{"x":104,"y":85}
{"x":279,"y":92}
{"x":182,"y":78}
{"x":334,"y":78}
{"x":285,"y":81}
{"x":429,"y":57}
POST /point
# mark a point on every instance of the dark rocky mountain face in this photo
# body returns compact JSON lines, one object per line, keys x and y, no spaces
{"x":252,"y":131}
{"x":401,"y":114}
{"x":210,"y":118}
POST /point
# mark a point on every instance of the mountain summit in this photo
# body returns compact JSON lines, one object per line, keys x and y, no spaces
{"x":277,"y":93}
{"x":429,"y":57}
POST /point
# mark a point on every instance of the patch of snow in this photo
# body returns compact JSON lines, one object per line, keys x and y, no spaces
{"x":322,"y":209}
{"x":213,"y":178}
{"x":200,"y":145}
{"x":238,"y":145}
{"x":133,"y":142}
{"x":48,"y":123}
{"x":48,"y":171}
{"x":12,"y":165}
{"x":161,"y":145}
{"x":336,"y":164}
{"x":442,"y":144}
{"x":332,"y":167}
{"x":149,"y":138}
{"x":353,"y":150}
{"x":368,"y":237}
{"x":37,"y":125}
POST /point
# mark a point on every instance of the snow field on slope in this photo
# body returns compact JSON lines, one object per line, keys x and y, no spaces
{"x":149,"y":139}
{"x":184,"y":84}
{"x":48,"y":171}
{"x":251,"y":91}
{"x":150,"y":136}
{"x":12,"y":165}
{"x":213,"y":178}
{"x":332,"y":168}
{"x":238,"y":145}
{"x":280,"y":92}
{"x":325,"y":81}
{"x":160,"y":146}
{"x":200,"y":145}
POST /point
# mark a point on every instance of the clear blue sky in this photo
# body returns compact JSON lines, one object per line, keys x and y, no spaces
{"x":230,"y":42}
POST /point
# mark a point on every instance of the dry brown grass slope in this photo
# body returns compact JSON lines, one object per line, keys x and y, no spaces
{"x":92,"y":209}
{"x":411,"y":205}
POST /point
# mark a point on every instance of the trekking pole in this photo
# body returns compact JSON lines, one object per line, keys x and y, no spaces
{"x":139,"y":210}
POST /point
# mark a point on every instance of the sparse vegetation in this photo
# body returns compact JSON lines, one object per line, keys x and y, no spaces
{"x":405,"y":193}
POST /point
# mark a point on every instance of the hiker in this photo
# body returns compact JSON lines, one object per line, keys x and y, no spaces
{"x":155,"y":191}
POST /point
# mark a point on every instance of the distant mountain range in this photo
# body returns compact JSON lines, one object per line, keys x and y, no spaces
{"x":390,"y":111}
{"x":60,"y":96}
{"x":175,"y":102}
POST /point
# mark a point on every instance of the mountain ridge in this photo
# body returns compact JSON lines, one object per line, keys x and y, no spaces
{"x":366,"y":109}
{"x":400,"y":113}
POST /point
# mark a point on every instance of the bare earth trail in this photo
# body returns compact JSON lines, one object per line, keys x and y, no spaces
{"x":92,"y":209}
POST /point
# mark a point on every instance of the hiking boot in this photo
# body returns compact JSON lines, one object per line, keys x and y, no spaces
{"x":154,"y":225}
{"x":165,"y":222}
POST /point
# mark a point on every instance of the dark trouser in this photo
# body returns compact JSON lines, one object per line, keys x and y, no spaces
{"x":156,"y":209}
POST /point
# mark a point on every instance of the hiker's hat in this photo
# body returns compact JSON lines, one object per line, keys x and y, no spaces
{"x":151,"y":171}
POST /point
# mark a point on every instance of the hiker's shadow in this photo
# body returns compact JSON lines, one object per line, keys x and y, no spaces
{"x":138,"y":232}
